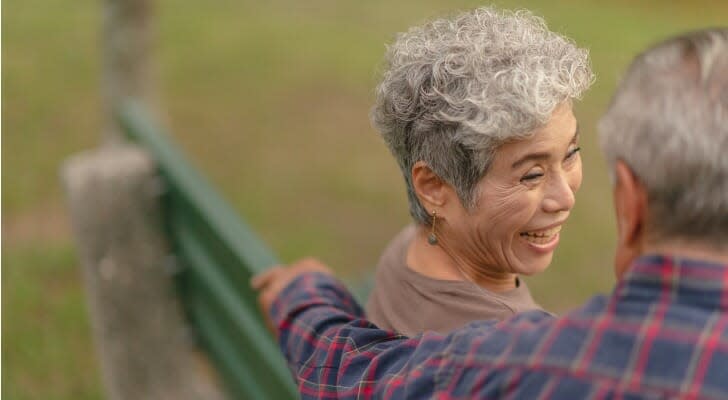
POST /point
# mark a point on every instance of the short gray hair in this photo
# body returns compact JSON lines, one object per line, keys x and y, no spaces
{"x":455,"y":89}
{"x":668,"y":122}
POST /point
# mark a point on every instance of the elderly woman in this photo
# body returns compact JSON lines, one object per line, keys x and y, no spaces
{"x":477,"y":111}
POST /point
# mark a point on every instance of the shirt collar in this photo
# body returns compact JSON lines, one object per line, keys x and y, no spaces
{"x":676,"y":279}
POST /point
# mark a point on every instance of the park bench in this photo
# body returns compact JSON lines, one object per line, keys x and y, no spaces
{"x":142,"y":214}
{"x":167,"y":264}
{"x":215,"y":255}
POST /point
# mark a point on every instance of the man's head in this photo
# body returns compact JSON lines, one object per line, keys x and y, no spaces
{"x":665,"y":136}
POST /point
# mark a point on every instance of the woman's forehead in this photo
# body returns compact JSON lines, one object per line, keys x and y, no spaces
{"x":550,"y":140}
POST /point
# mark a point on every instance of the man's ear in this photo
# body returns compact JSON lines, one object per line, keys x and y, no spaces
{"x":431,"y":190}
{"x":630,"y":204}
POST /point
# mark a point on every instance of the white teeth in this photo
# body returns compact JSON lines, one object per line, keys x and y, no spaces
{"x":541,"y":237}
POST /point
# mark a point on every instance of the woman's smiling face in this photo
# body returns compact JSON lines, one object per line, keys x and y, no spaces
{"x":522,"y":202}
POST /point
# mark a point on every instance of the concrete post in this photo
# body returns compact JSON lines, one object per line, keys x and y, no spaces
{"x":140,"y":331}
{"x":128,"y":69}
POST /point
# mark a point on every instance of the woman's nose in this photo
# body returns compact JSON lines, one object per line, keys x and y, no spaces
{"x":559,"y":195}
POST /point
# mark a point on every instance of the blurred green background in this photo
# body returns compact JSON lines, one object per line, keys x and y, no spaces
{"x":271,"y":100}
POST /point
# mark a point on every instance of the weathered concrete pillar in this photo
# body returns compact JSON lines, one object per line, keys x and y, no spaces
{"x":128,"y":66}
{"x":141,"y":334}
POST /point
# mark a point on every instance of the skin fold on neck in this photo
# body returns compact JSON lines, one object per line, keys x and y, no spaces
{"x":436,"y":262}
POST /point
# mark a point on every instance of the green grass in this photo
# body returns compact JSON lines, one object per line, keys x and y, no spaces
{"x":47,"y":352}
{"x":270,"y":99}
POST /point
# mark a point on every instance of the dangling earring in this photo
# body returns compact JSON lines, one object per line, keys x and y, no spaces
{"x":432,"y":238}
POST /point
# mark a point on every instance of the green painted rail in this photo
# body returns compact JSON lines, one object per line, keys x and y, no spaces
{"x":217,"y":254}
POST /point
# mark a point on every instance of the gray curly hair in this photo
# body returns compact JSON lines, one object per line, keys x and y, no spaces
{"x":455,"y":89}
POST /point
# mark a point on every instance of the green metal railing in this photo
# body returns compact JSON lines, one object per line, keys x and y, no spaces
{"x":217,"y":254}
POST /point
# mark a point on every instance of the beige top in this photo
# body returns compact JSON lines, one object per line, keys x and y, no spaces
{"x":408,"y":302}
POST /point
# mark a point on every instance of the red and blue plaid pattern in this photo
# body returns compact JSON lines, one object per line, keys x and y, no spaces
{"x":660,"y":334}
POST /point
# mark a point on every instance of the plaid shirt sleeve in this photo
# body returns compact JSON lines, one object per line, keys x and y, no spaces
{"x":334,"y":352}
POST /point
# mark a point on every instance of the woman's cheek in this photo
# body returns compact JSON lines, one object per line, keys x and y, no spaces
{"x":575,"y":176}
{"x":504,"y":211}
{"x":512,"y":217}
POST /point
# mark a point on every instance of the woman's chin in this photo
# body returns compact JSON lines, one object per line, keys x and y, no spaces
{"x":536,"y":256}
{"x":535,"y":267}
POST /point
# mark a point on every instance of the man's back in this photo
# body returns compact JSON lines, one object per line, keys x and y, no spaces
{"x":661,"y":334}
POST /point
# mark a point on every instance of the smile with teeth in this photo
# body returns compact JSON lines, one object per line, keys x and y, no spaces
{"x":541,"y":237}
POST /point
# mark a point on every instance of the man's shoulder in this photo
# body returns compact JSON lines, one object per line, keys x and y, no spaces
{"x":533,"y":337}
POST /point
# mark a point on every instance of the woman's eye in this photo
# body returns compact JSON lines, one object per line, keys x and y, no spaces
{"x":531,"y":177}
{"x":572,"y":153}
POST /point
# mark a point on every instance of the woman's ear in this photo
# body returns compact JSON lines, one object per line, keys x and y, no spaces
{"x":630,"y":203}
{"x":432,"y":191}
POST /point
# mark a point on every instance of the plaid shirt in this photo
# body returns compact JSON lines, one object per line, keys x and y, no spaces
{"x":661,"y":334}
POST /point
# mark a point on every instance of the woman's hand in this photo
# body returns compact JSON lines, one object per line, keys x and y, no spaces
{"x":272,"y":281}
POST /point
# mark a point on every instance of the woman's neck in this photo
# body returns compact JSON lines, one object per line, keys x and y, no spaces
{"x":436,"y":262}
